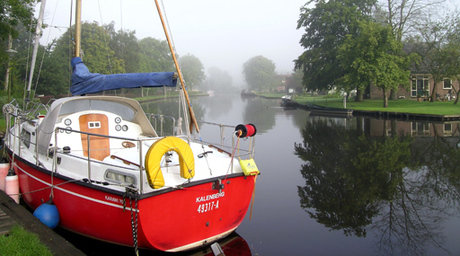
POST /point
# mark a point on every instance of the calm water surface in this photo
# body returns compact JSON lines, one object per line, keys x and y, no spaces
{"x":336,"y":186}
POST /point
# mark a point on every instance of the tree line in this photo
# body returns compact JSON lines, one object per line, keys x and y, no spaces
{"x":349,"y":44}
{"x":104,"y":51}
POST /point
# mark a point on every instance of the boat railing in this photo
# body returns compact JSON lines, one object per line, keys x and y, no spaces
{"x":90,"y":160}
{"x":169,"y":126}
{"x":13,"y":115}
{"x":34,"y":109}
{"x":160,"y":124}
{"x":245,"y":146}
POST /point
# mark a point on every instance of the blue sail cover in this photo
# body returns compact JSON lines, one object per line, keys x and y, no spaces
{"x":85,"y":82}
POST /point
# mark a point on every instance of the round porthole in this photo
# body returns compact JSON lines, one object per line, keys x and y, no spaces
{"x":67,"y":121}
{"x":118,"y":128}
{"x":117,"y":119}
{"x":125,"y":128}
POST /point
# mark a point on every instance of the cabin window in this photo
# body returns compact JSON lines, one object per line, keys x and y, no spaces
{"x":25,"y":138}
{"x":119,"y":177}
{"x":94,"y":125}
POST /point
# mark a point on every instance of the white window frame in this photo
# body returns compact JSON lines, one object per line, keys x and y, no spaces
{"x":425,"y":80}
{"x":444,"y":83}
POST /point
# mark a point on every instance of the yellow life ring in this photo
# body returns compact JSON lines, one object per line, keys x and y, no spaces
{"x":156,"y":152}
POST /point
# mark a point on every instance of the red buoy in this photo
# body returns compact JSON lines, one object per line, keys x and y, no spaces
{"x":245,"y":130}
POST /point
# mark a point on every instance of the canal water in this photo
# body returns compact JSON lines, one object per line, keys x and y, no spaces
{"x":336,"y":186}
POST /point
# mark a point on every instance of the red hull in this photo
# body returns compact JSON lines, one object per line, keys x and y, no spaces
{"x":177,"y":220}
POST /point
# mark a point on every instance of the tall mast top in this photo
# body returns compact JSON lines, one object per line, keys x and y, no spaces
{"x":77,"y":28}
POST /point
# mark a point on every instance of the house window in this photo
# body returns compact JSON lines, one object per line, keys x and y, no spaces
{"x":447,"y":83}
{"x":420,"y":86}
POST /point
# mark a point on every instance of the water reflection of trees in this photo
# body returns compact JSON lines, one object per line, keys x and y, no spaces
{"x":170,"y":108}
{"x":399,"y":187}
{"x":221,"y":105}
{"x":257,"y":112}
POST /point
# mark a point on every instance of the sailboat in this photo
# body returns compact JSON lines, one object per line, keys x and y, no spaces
{"x":114,"y":178}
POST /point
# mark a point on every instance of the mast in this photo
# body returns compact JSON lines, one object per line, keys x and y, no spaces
{"x":38,"y":32}
{"x":192,"y":115}
{"x":77,"y":28}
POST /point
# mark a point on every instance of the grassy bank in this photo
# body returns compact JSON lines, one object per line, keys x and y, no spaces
{"x":20,"y":242}
{"x":401,"y":106}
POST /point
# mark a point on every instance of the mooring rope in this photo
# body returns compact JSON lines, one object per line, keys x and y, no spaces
{"x":130,"y":193}
{"x":233,"y":154}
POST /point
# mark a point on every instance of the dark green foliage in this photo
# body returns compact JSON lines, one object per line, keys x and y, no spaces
{"x":326,"y":27}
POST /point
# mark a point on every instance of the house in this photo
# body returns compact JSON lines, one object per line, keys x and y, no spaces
{"x":420,"y":87}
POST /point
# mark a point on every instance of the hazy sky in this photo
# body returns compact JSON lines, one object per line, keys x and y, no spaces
{"x":222,"y":34}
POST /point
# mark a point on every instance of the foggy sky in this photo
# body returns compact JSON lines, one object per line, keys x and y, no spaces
{"x":222,"y":34}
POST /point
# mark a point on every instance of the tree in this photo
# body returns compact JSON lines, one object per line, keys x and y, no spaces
{"x":326,"y":27}
{"x":219,"y":80}
{"x":13,"y":13}
{"x":294,"y":81}
{"x":452,"y":51}
{"x":404,"y":15}
{"x":125,"y":45}
{"x":56,"y":72}
{"x":432,"y":47}
{"x":155,"y":56}
{"x":96,"y":54}
{"x":374,"y":56}
{"x":259,"y":73}
{"x":20,"y":61}
{"x":192,"y":70}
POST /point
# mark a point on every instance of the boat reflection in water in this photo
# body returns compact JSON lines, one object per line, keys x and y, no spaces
{"x":232,"y":245}
{"x":367,"y":178}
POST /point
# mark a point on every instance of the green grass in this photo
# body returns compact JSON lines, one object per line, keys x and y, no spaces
{"x":401,"y":106}
{"x":22,"y":243}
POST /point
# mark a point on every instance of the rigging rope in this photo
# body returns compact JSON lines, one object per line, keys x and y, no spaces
{"x":167,"y":24}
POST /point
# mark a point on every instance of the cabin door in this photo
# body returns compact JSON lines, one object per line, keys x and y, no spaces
{"x":99,"y":146}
